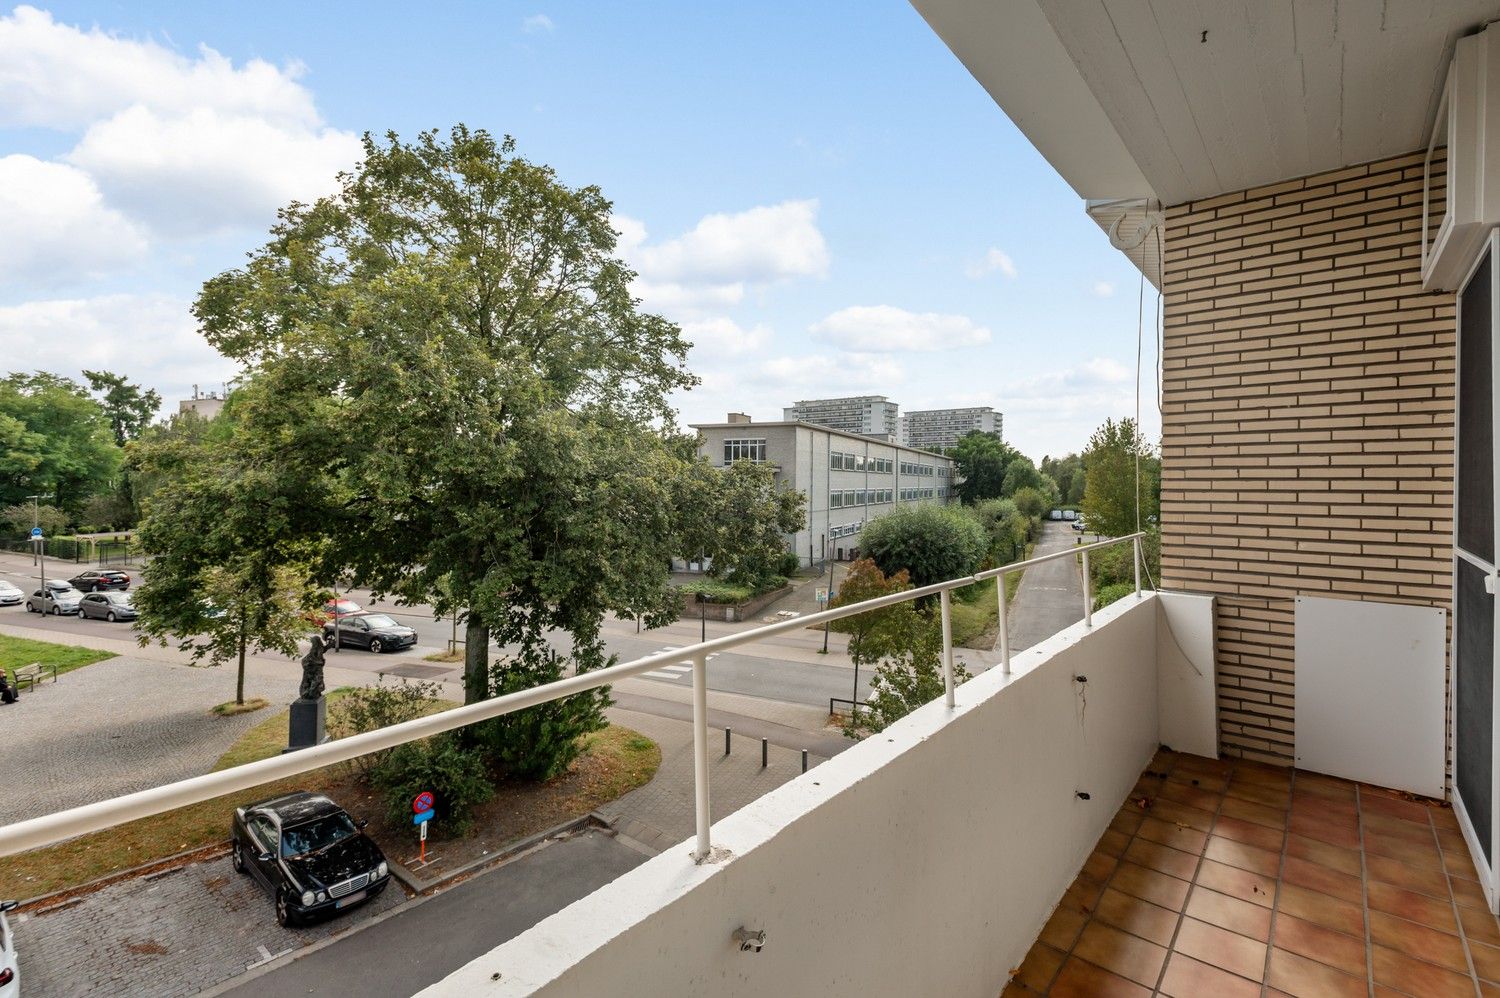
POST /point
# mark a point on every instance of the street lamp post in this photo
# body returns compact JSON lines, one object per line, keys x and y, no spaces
{"x":829,"y":563}
{"x":39,"y":549}
{"x":703,"y":616}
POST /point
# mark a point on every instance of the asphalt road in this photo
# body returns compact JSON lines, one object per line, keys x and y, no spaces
{"x":1050,"y":597}
{"x":424,"y":942}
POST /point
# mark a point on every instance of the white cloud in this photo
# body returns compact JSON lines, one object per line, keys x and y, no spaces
{"x":206,"y":169}
{"x":59,"y":76}
{"x":848,"y":372}
{"x":887,"y":329}
{"x":993,"y":260}
{"x":1054,"y":413}
{"x":184,"y":144}
{"x":54,"y":225}
{"x":1103,"y":289}
{"x":723,"y":337}
{"x":536,"y":23}
{"x":714,"y":263}
{"x":151,"y":339}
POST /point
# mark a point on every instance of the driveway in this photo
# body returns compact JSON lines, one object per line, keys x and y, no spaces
{"x":1050,"y":597}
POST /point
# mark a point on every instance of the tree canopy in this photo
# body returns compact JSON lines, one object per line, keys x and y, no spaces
{"x":126,"y":406}
{"x":53,"y":438}
{"x":1112,"y":493}
{"x":931,"y":543}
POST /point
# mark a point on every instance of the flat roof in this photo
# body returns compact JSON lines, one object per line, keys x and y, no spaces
{"x":781,"y":423}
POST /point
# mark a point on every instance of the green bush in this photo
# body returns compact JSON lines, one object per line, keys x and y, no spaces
{"x":370,"y":708}
{"x":932,"y":543}
{"x":458,"y":778}
{"x":540,"y":742}
{"x":716,"y":591}
{"x":1114,"y":591}
{"x":1116,"y":563}
{"x":790,"y":564}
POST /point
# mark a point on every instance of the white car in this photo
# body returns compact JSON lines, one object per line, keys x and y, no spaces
{"x":10,"y":970}
{"x":10,"y":595}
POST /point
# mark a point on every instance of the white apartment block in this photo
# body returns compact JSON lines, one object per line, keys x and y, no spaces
{"x":849,"y":478}
{"x":868,"y":415}
{"x":939,"y":429}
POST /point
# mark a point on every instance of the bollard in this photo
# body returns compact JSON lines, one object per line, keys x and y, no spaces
{"x":804,"y":760}
{"x":726,"y":741}
{"x":765,"y":752}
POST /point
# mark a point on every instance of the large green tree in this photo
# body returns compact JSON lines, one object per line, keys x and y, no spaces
{"x":931,"y":543}
{"x":737,"y":516}
{"x":1115,"y":498}
{"x":456,"y":386}
{"x":126,"y":406}
{"x":982,"y":459}
{"x":54,"y":439}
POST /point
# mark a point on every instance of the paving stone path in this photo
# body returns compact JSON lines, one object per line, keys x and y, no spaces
{"x":119,"y":726}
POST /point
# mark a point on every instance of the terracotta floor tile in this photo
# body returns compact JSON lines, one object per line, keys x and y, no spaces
{"x":1418,"y":978}
{"x":1099,"y":865}
{"x":1304,"y":978}
{"x":1187,"y":978}
{"x":1459,"y":865}
{"x":1258,"y":814}
{"x":1249,"y":833}
{"x":1424,"y":855}
{"x":1316,"y":877}
{"x":1149,"y":885}
{"x":1181,"y":814}
{"x":1139,"y":918}
{"x":1328,"y":912}
{"x":1248,"y":771}
{"x":1415,"y":907}
{"x":1202,"y":781}
{"x":1039,"y":967}
{"x":1486,"y":960}
{"x":1479,"y":924}
{"x":1418,"y":941}
{"x":1200,"y":764}
{"x":1396,"y":828}
{"x":1278,"y":797}
{"x":1168,"y":834}
{"x":1192,"y":796}
{"x":1306,"y":805}
{"x":1333,"y":857}
{"x":1084,"y":980}
{"x":1238,"y":883}
{"x":1246,"y":857}
{"x":1063,"y":927}
{"x":1221,"y":948}
{"x":1398,"y":874}
{"x":1127,"y":819}
{"x":1406,"y":810}
{"x":1121,"y":953}
{"x":1295,"y":935}
{"x":1489,"y":990}
{"x":1328,"y":787}
{"x":1337,"y":831}
{"x":1113,"y":843}
{"x":1468,"y":894}
{"x":1163,"y":859}
{"x":1016,"y":989}
{"x":1230,"y":913}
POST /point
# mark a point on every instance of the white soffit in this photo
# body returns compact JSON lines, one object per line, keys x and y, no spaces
{"x":1129,"y":98}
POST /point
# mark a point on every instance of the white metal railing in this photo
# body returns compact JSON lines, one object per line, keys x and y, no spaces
{"x":48,"y":829}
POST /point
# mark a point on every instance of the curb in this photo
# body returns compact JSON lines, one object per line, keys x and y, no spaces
{"x":196,"y":854}
{"x":420,"y":886}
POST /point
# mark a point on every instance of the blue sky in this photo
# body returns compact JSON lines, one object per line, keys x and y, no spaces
{"x":819,"y":192}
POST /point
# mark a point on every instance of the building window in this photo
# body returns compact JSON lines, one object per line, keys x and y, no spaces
{"x":745,"y":450}
{"x":835,"y":500}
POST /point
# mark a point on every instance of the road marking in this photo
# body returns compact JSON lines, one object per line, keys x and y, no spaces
{"x":679,"y":669}
{"x":266,"y":956}
{"x":661,"y":675}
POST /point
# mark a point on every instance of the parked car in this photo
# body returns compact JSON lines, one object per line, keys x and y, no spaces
{"x":308,"y":854}
{"x":375,"y":631}
{"x":1079,"y":525}
{"x":339,"y":607}
{"x":10,"y":969}
{"x":10,"y":595}
{"x":98,"y":580}
{"x":57,"y":598}
{"x":110,"y":606}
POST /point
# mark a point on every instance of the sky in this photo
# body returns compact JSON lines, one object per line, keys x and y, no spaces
{"x":819,"y":194}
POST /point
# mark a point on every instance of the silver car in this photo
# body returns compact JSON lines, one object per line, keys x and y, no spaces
{"x":110,"y":606}
{"x":10,"y":970}
{"x":58,"y":598}
{"x":10,"y":595}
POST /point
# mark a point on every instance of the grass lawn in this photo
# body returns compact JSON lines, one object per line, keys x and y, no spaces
{"x":975,"y":622}
{"x":617,"y":760}
{"x":18,"y":652}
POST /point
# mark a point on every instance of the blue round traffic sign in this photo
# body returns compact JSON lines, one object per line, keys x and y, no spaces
{"x":36,"y":533}
{"x":422,"y":803}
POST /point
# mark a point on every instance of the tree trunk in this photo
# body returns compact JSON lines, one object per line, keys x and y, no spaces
{"x":239,"y":686}
{"x":476,"y":659}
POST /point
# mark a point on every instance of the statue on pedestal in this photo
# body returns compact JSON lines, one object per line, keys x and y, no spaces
{"x":305,"y":722}
{"x":312,"y":670}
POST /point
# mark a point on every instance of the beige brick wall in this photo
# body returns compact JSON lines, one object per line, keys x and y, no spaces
{"x":1308,"y":401}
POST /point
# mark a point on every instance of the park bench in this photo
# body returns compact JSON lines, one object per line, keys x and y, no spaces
{"x":32,"y":674}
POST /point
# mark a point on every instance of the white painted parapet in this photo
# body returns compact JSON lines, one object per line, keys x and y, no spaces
{"x":923,"y":861}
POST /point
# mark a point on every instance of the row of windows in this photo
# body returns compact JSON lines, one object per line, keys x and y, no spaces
{"x":745,"y":450}
{"x":838,"y":499}
{"x":908,"y":495}
{"x":839,"y":461}
{"x":908,"y":468}
{"x":944,"y":471}
{"x":845,"y":529}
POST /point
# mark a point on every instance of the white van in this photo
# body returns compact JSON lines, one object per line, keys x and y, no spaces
{"x":1056,"y":514}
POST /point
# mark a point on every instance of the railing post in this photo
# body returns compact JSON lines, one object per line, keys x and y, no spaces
{"x":947,"y":605}
{"x":1136,"y":544}
{"x":700,"y":754}
{"x":1088,"y":597}
{"x":1004,"y":623}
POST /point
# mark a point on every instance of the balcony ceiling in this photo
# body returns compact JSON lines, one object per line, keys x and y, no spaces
{"x":1129,"y":98}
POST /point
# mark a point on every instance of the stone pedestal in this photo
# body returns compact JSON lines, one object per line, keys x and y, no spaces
{"x":306,"y":724}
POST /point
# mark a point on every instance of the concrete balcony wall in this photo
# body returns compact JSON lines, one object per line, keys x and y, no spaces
{"x":923,"y":861}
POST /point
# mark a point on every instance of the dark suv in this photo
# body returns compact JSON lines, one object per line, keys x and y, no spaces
{"x":98,"y":581}
{"x":308,"y":854}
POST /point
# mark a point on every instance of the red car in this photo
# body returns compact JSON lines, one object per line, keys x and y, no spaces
{"x":335,"y":607}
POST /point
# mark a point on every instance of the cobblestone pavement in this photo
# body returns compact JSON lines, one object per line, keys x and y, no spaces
{"x":174,"y":933}
{"x":660,"y":814}
{"x":118,"y":726}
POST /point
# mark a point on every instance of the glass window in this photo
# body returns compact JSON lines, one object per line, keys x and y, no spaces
{"x":745,"y":450}
{"x":835,"y":500}
{"x":317,"y":835}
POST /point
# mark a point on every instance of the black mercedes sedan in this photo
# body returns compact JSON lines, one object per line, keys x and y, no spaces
{"x":376,"y":631}
{"x":308,"y":854}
